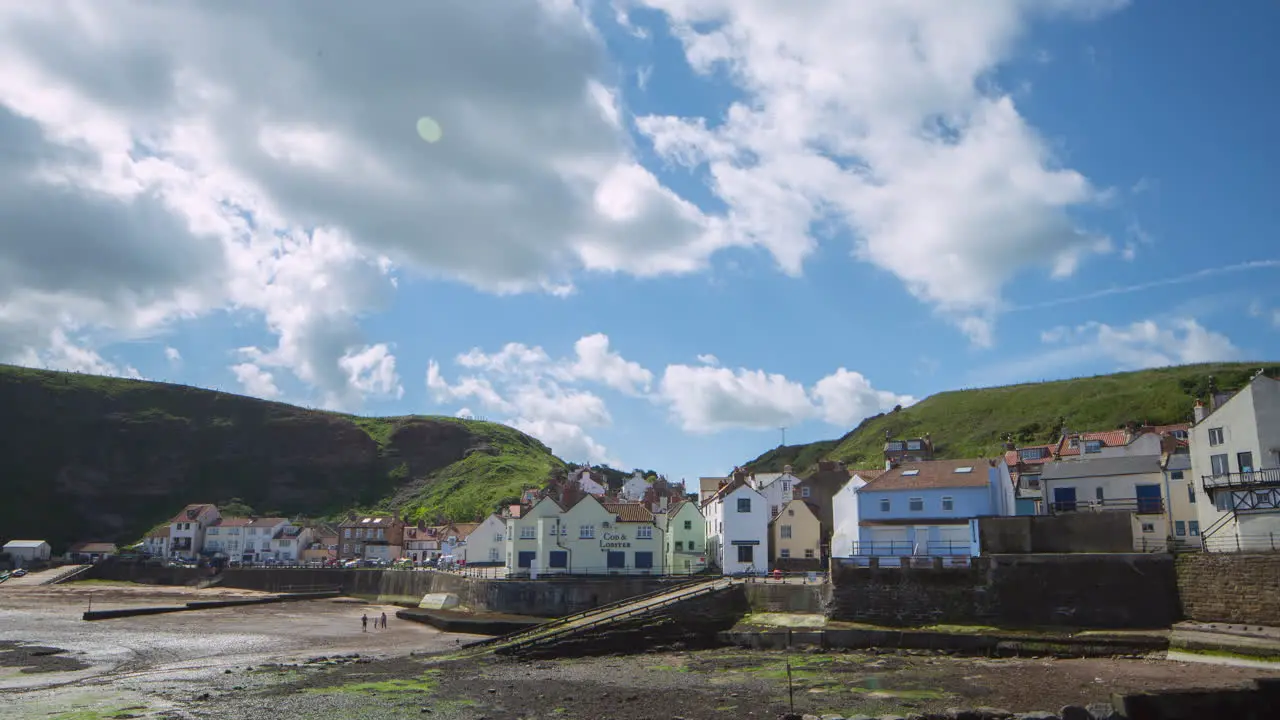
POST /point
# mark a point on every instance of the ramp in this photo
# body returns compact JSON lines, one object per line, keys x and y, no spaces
{"x":601,"y":617}
{"x":44,"y":577}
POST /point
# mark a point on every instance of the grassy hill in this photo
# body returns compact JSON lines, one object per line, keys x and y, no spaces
{"x":84,"y":457}
{"x":973,"y":423}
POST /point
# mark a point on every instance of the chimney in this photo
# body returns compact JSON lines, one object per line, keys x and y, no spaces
{"x":1199,"y":412}
{"x":786,"y":469}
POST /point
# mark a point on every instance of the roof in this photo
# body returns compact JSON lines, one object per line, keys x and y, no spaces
{"x":867,"y":475}
{"x":1178,"y":461}
{"x":630,"y":512}
{"x":232,"y":522}
{"x":93,"y":547}
{"x":367,"y":520}
{"x":160,"y":532}
{"x":266,"y":522}
{"x":729,"y":487}
{"x":1013,"y":457}
{"x":932,"y":474}
{"x":25,"y":543}
{"x":1101,"y":467}
{"x":193,"y":511}
{"x":1109,"y":438}
{"x":813,"y":509}
{"x":464,"y":530}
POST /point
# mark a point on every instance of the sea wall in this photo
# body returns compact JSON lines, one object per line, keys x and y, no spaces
{"x":1225,"y":588}
{"x":1075,"y":590}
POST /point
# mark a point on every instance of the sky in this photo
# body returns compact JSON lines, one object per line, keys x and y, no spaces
{"x":652,"y":233}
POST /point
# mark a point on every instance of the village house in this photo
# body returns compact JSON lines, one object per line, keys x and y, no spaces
{"x":453,"y":540}
{"x":685,"y":533}
{"x":896,"y":452}
{"x":1132,"y":484}
{"x":486,"y":542}
{"x":634,"y":488}
{"x":156,"y":542}
{"x":187,"y":530}
{"x":796,"y":537}
{"x":90,"y":552}
{"x":288,"y":543}
{"x":420,"y":543}
{"x":737,"y":527}
{"x":226,"y":536}
{"x":924,"y":508}
{"x":777,"y":488}
{"x":708,"y":486}
{"x":323,"y":545}
{"x":1235,"y":468}
{"x":844,"y":513}
{"x":371,"y":537}
{"x":1183,"y":517}
{"x":589,"y":538}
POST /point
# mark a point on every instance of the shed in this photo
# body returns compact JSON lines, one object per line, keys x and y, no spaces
{"x":27,"y":551}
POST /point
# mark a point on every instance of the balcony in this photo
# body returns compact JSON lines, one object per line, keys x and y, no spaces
{"x":1266,"y":477}
{"x":1138,"y":506}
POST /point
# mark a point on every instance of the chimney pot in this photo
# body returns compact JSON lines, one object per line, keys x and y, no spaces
{"x":1199,"y":412}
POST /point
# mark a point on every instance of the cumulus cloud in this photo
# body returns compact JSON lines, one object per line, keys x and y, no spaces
{"x":882,"y":117}
{"x":172,"y":354}
{"x":263,"y":157}
{"x":256,"y":381}
{"x":705,"y":399}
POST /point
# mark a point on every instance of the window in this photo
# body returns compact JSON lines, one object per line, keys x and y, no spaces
{"x":688,"y":524}
{"x":915,"y":445}
{"x":1148,"y":527}
{"x":644,"y":532}
{"x":528,"y":532}
{"x":884,"y":505}
{"x":1031,"y":454}
{"x":1215,"y":436}
{"x":1193,"y":527}
{"x":558,"y":559}
{"x":1074,"y":442}
{"x":746,"y":553}
{"x":1191,"y":493}
{"x":804,"y":491}
{"x":552,"y":527}
{"x":1175,"y":475}
{"x":693,"y":546}
{"x":679,"y":545}
{"x":1093,"y":446}
{"x":784,"y":531}
{"x":915,"y":504}
{"x":773,"y":511}
{"x":791,"y":513}
{"x":1179,"y":528}
{"x":497,"y":537}
{"x":1245,"y":461}
{"x":808,"y":553}
{"x":493,"y":554}
{"x":948,"y":504}
{"x":965,"y":469}
{"x":1098,"y":494}
{"x":1222,"y":501}
{"x":910,"y":473}
{"x":644,"y":560}
{"x":786,"y":486}
{"x":784,"y":553}
{"x":586,"y":532}
{"x":895,"y":446}
{"x":1032,"y":481}
{"x":346,"y":548}
{"x":1219,"y":464}
{"x":744,"y":505}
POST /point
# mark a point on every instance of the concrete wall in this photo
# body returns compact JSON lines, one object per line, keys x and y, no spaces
{"x":1095,"y":590}
{"x":1103,"y":532}
{"x":788,"y":597}
{"x":113,"y":569}
{"x":1230,"y":588}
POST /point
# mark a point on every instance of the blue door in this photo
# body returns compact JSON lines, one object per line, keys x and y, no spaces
{"x":617,"y":560}
{"x":525,"y":559}
{"x":1149,"y":499}
{"x":644,"y":560}
{"x":1064,"y":499}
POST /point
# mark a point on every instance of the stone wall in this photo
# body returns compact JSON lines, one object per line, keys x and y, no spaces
{"x":1230,"y":588}
{"x":1066,"y":533}
{"x":1076,"y":590}
{"x":767,"y":597}
{"x":114,"y":569}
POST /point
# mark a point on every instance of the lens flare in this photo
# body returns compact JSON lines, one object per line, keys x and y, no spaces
{"x":429,"y":129}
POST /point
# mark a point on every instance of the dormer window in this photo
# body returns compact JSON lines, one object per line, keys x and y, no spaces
{"x":964,"y":470}
{"x":1093,"y":446}
{"x":915,"y":445}
{"x":910,"y":473}
{"x":1031,"y":454}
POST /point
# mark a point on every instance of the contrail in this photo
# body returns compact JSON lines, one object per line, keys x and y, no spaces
{"x":1190,"y":277}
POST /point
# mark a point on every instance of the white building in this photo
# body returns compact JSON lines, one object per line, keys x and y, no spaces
{"x":590,"y":538}
{"x":254,"y":539}
{"x":1184,"y":519}
{"x":775,"y":487}
{"x":1133,"y":484}
{"x":634,"y":488}
{"x":737,"y":519}
{"x":486,"y":542}
{"x":187,"y":530}
{"x":587,"y":483}
{"x":157,"y":542}
{"x":288,"y":543}
{"x":844,"y":513}
{"x":1235,"y":466}
{"x":25,"y":552}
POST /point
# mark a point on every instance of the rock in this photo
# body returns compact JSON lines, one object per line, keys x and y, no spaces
{"x":1103,"y":711}
{"x":987,"y":713}
{"x":227,"y":671}
{"x":202,"y":696}
{"x":1074,"y":712}
{"x":1037,"y":715}
{"x":891,"y":717}
{"x":425,"y":710}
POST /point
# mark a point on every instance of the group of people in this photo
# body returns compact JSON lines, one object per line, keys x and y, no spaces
{"x":377,"y":622}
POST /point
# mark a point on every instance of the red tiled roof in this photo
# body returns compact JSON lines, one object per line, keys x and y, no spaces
{"x":932,"y":474}
{"x":93,"y":547}
{"x":464,"y":530}
{"x":267,"y":522}
{"x":630,"y":512}
{"x":867,"y":475}
{"x":232,"y":522}
{"x":191,"y":512}
{"x":1109,"y":438}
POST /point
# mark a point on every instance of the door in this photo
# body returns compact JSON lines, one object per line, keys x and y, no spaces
{"x":1149,"y":499}
{"x":644,"y":560}
{"x":1064,"y":499}
{"x":617,"y":560}
{"x":558,"y":559}
{"x":525,"y":558}
{"x":887,"y":542}
{"x":1245,"y":461}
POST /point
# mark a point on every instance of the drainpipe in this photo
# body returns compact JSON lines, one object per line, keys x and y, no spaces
{"x":568,"y":565}
{"x":1168,"y":507}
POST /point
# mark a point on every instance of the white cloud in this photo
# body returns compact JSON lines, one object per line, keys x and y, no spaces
{"x":256,"y":381}
{"x":707,"y":399}
{"x":882,"y":116}
{"x":372,"y":371}
{"x":708,"y":359}
{"x":264,"y":158}
{"x":1258,"y":310}
{"x":172,"y":355}
{"x":62,"y":353}
{"x":596,"y":362}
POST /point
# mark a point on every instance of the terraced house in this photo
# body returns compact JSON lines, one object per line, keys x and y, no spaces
{"x":371,"y":537}
{"x":590,"y":538}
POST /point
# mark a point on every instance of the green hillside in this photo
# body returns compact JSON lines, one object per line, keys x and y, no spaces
{"x":84,"y":457}
{"x":973,"y":423}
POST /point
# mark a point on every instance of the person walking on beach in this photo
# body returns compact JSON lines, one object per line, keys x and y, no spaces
{"x":384,"y":621}
{"x":364,"y":622}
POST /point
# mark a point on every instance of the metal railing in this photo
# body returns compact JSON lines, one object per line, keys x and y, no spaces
{"x":903,"y":548}
{"x":538,"y":638}
{"x":1236,"y":543}
{"x":604,"y":571}
{"x":1254,"y":478}
{"x":584,"y":613}
{"x":1138,"y":506}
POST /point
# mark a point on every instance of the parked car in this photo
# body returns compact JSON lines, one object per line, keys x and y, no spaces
{"x":20,"y":572}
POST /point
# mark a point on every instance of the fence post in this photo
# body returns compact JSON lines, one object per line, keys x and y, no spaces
{"x":1237,"y":538}
{"x":1273,"y":540}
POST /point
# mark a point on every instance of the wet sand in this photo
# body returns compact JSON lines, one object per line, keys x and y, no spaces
{"x":299,"y":660}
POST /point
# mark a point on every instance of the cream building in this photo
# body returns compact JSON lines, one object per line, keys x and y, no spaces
{"x":590,"y":538}
{"x":796,"y":537}
{"x":1133,"y":484}
{"x":1235,"y":468}
{"x":486,"y":543}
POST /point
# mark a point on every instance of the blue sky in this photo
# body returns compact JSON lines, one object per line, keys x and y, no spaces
{"x":667,"y":229}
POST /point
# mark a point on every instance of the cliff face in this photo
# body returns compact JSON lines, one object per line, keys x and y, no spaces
{"x":91,"y":458}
